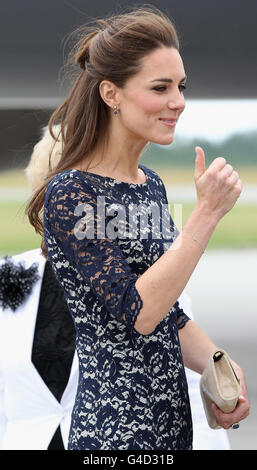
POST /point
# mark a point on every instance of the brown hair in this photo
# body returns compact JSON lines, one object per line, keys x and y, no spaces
{"x":109,"y":50}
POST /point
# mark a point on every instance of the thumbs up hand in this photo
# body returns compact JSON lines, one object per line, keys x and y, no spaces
{"x":218,"y":187}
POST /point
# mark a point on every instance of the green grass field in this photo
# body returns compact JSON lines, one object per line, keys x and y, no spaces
{"x":238,"y":229}
{"x":17,"y":234}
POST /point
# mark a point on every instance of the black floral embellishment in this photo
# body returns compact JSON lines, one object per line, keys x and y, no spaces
{"x":16,"y":282}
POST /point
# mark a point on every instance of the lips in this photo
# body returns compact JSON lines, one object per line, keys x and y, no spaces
{"x":171,"y":122}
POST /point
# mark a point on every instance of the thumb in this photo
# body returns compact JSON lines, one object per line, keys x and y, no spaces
{"x":199,"y":162}
{"x":241,"y":399}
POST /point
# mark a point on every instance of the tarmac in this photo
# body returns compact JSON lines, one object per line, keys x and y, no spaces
{"x":223,"y":290}
{"x":186,"y":193}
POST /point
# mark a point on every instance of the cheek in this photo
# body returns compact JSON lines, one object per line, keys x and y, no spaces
{"x":148,"y":104}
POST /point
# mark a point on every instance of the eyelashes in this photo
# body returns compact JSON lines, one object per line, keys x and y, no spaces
{"x":182,"y":87}
{"x":162,"y":88}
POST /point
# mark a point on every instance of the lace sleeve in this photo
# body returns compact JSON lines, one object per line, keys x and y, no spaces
{"x":182,"y":318}
{"x":99,"y":261}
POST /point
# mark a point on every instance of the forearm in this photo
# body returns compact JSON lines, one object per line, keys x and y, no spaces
{"x":161,"y":284}
{"x":196,"y":346}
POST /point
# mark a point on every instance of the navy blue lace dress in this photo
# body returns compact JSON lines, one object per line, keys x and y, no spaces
{"x":101,"y":234}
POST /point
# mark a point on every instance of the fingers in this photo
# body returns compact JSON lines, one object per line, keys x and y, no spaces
{"x":236,"y":183}
{"x":220,"y":165}
{"x":218,"y":187}
{"x":217,"y":164}
{"x":225,"y":174}
{"x":225,"y":420}
{"x":233,"y":181}
{"x":227,"y":171}
{"x":233,"y":178}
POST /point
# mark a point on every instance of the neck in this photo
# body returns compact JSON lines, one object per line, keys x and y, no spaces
{"x":120,"y":156}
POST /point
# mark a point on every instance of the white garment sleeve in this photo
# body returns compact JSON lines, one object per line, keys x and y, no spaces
{"x":3,"y":420}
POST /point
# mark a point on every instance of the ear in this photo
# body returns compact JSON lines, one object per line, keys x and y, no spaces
{"x":109,"y":93}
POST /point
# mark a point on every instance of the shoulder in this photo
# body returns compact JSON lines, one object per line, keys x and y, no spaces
{"x":68,"y":184}
{"x":153,"y":176}
{"x":150,"y":172}
{"x":66,"y":178}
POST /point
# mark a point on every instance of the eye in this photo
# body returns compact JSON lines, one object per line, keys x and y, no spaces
{"x":182,"y":87}
{"x":160,"y":88}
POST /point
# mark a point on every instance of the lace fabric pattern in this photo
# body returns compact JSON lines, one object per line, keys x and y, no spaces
{"x":132,"y":391}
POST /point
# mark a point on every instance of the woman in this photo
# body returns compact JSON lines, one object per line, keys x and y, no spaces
{"x":122,"y":286}
{"x":38,"y":369}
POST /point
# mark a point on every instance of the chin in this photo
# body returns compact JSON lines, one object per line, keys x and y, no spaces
{"x":163,"y":140}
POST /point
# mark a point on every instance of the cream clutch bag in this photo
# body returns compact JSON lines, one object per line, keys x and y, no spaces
{"x":219,"y":384}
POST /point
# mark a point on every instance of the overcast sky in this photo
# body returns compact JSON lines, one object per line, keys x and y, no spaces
{"x":217,"y":119}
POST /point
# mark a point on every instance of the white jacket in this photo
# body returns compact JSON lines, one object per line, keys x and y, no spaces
{"x":29,"y":412}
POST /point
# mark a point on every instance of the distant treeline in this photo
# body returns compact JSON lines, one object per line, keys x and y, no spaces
{"x":239,"y":150}
{"x":20,"y":130}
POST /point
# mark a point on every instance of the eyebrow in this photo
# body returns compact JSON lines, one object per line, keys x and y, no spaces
{"x":168,"y":80}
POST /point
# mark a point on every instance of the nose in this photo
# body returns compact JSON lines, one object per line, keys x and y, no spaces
{"x":177,"y":101}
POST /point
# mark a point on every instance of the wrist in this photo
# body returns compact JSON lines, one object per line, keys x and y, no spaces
{"x":200,"y":225}
{"x":203,"y":211}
